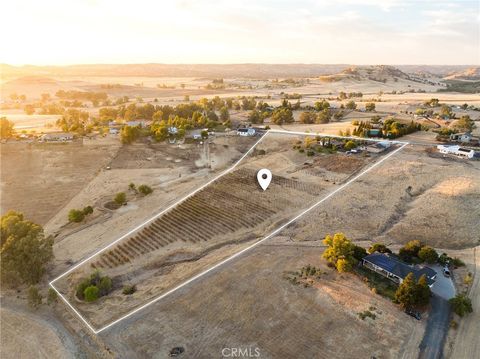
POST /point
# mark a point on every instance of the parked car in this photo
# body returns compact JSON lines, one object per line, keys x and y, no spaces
{"x":413,"y":313}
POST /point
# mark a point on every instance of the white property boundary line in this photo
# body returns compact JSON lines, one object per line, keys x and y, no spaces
{"x":197,"y":276}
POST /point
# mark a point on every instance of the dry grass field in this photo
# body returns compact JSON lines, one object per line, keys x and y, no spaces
{"x":250,"y":304}
{"x":39,"y":179}
{"x":414,"y":195}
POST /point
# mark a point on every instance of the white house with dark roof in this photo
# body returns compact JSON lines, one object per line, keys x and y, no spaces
{"x":395,"y":270}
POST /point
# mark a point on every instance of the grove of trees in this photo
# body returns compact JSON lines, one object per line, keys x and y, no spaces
{"x":412,"y":293}
{"x":25,"y":251}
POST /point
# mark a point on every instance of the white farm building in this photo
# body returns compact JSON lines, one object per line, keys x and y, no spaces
{"x":456,"y":151}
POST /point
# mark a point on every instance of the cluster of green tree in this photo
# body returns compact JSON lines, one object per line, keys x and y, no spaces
{"x":461,"y":304}
{"x":465,"y":123}
{"x":78,"y":215}
{"x":94,"y":287}
{"x":52,"y":109}
{"x":25,"y":251}
{"x":215,"y":84}
{"x":74,"y":120}
{"x":111,"y":86}
{"x":16,"y":97}
{"x":413,"y":293}
{"x":313,"y":117}
{"x":379,"y":247}
{"x":129,"y":134}
{"x":390,"y":128}
{"x":94,"y":97}
{"x":143,"y":189}
{"x":445,"y":259}
{"x":120,"y":198}
{"x":343,"y":96}
{"x":351,"y":105}
{"x":433,"y":102}
{"x":29,"y":109}
{"x":6,"y":128}
{"x":424,"y":112}
{"x":342,"y":253}
{"x":292,"y":96}
{"x":74,"y":103}
{"x":417,"y":252}
{"x":370,"y":106}
{"x":461,"y":86}
{"x":282,"y":115}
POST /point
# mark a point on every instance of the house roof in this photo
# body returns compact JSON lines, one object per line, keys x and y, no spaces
{"x":399,"y":268}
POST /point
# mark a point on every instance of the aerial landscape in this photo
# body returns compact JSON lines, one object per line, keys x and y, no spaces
{"x":248,"y":180}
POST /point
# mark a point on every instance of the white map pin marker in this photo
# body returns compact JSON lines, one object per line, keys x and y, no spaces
{"x":264,"y":178}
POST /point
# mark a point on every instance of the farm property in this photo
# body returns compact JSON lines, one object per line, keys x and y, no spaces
{"x":214,"y":223}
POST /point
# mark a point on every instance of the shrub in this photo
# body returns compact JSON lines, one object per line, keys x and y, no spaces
{"x":52,"y":297}
{"x":461,"y":304}
{"x":367,"y":314}
{"x":468,"y":279}
{"x":81,"y":288}
{"x":457,"y":262}
{"x":120,"y":198}
{"x":410,"y":250}
{"x":379,"y":247}
{"x":132,"y":187}
{"x":87,"y":210}
{"x":428,"y":254}
{"x":34,"y":297}
{"x":76,"y":215}
{"x":129,"y":289}
{"x":349,"y":145}
{"x":310,"y":153}
{"x":105,"y":286}
{"x":359,"y":252}
{"x":144,"y":189}
{"x":95,"y":277}
{"x":91,"y":293}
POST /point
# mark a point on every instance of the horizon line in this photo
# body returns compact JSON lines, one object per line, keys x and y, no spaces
{"x":226,"y":64}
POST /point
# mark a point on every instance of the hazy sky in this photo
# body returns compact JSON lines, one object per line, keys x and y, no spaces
{"x":322,"y":31}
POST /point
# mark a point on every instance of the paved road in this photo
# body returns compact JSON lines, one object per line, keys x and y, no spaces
{"x":436,"y":331}
{"x":443,"y":286}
